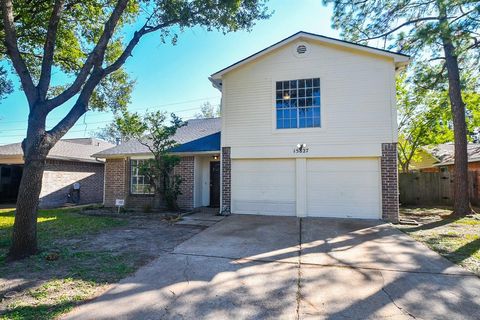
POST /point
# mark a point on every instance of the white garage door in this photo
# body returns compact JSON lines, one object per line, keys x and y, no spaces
{"x":263,"y":187}
{"x":348,"y":188}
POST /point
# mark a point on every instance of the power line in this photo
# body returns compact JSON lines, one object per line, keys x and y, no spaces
{"x":83,"y":124}
{"x":142,"y":108}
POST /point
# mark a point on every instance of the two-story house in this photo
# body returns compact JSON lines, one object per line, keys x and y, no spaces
{"x":308,"y":128}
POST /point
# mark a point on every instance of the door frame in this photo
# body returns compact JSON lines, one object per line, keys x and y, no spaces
{"x":212,"y":190}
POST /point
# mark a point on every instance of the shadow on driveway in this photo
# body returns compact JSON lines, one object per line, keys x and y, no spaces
{"x":260,"y":267}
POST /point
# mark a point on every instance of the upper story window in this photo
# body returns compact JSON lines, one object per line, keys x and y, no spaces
{"x":298,"y":103}
{"x":139,"y":184}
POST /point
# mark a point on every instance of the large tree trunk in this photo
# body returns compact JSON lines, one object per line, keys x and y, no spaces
{"x":461,"y":202}
{"x":24,"y":240}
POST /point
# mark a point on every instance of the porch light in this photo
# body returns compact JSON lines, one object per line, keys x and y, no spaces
{"x":215,"y":157}
{"x":286,"y":95}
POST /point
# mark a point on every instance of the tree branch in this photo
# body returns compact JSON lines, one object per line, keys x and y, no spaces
{"x":134,"y":41}
{"x":399,"y":27}
{"x":48,"y":49}
{"x":95,"y":58}
{"x":14,"y":53}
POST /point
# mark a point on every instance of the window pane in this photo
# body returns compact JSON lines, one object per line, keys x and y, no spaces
{"x":279,"y":95}
{"x":301,"y":92}
{"x":279,"y":85}
{"x":308,"y":102}
{"x":309,"y":112}
{"x":293,"y":123}
{"x":293,"y":103}
{"x":316,"y":102}
{"x":279,"y":123}
{"x":293,"y":94}
{"x":308,"y":83}
{"x":293,"y":84}
{"x":279,"y":103}
{"x":316,"y":82}
{"x":309,"y":123}
{"x":301,"y":123}
{"x":316,"y":92}
{"x":316,"y":122}
{"x":301,"y":102}
{"x":301,"y":83}
{"x":308,"y":93}
{"x":286,"y":84}
{"x":316,"y":112}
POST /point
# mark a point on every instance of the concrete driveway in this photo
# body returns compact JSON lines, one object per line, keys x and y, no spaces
{"x":260,"y":267}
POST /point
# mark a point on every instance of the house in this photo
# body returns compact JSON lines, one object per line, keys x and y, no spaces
{"x":68,"y":163}
{"x":441,"y":158}
{"x":308,"y":128}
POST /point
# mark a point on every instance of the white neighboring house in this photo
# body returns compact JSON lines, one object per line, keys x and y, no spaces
{"x":309,"y":129}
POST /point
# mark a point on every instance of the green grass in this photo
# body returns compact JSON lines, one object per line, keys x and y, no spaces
{"x":56,"y":224}
{"x":78,"y":273}
{"x":456,"y":239}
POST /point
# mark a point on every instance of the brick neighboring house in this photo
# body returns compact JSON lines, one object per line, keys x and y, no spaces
{"x":69,"y":162}
{"x":308,"y":129}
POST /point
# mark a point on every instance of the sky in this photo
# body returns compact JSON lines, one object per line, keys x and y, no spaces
{"x":175,"y":78}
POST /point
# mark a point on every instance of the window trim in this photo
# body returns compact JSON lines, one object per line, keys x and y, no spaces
{"x":323,"y":100}
{"x":130,"y":175}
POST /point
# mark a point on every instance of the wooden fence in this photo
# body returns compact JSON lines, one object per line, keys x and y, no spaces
{"x":434,"y":188}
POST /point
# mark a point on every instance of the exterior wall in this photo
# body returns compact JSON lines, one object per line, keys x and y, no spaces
{"x":59,"y":177}
{"x":357,"y":102}
{"x":226,"y":187}
{"x":389,"y":174}
{"x":187,"y":172}
{"x":117,"y":185}
{"x":115,"y":181}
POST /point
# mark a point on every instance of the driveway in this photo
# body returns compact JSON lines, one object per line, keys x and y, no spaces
{"x":260,"y":267}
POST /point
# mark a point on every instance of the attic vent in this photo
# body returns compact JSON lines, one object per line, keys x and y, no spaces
{"x":301,"y":49}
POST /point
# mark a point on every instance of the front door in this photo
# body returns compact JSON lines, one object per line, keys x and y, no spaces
{"x":215,"y":184}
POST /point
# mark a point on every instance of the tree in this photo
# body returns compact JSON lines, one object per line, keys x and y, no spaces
{"x":207,"y":111}
{"x":83,"y":43}
{"x":424,"y":28}
{"x":110,"y":133}
{"x":152,"y":132}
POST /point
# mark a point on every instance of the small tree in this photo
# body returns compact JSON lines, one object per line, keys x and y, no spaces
{"x":207,"y":111}
{"x":152,"y":131}
{"x":110,"y":133}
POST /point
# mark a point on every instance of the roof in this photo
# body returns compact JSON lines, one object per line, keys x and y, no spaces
{"x":80,"y":149}
{"x":198,"y":135}
{"x":445,"y":153}
{"x":399,"y":58}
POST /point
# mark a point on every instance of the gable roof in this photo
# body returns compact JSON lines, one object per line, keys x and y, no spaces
{"x":399,"y":58}
{"x":196,"y":136}
{"x":445,"y":153}
{"x":65,"y":149}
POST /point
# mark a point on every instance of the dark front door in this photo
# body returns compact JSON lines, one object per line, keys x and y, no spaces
{"x":215,"y":184}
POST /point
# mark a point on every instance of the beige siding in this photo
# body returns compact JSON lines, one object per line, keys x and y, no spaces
{"x":357,"y":97}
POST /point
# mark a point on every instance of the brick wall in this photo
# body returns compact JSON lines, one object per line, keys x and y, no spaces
{"x":226,"y":180}
{"x":117,"y":185}
{"x":389,"y":173}
{"x":115,"y":181}
{"x":59,"y":177}
{"x":186,"y":171}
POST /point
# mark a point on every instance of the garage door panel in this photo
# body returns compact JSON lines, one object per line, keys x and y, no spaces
{"x":343,"y":188}
{"x":263,"y":187}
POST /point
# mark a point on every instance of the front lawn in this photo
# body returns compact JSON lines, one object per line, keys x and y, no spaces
{"x":458,"y":240}
{"x":80,"y":255}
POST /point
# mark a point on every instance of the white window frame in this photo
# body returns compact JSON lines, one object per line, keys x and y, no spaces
{"x":134,"y":173}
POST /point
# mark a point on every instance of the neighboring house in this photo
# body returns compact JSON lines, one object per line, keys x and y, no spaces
{"x":441,"y":158}
{"x":308,"y":129}
{"x":68,"y":163}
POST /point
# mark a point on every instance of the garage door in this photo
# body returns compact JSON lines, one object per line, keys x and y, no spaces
{"x":348,"y":188}
{"x":263,"y":187}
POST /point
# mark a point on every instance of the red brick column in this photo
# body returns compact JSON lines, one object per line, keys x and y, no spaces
{"x":186,"y":171}
{"x":226,"y":180}
{"x":116,"y":186}
{"x":389,"y":175}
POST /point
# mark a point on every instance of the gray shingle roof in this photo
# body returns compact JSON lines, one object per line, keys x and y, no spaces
{"x":195,"y":129}
{"x":80,"y":149}
{"x":445,"y":153}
